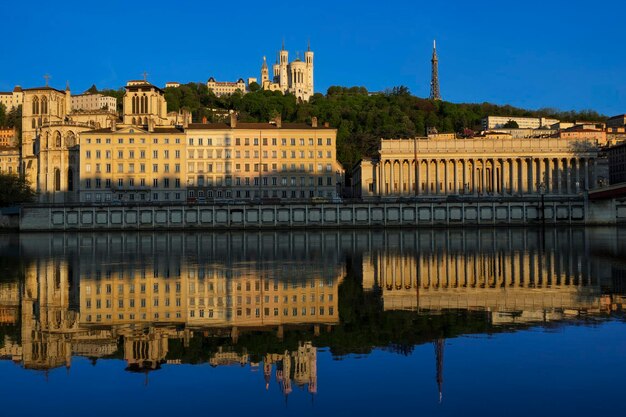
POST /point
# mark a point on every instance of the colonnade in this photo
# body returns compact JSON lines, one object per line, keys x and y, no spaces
{"x":486,"y":176}
{"x":480,"y":270}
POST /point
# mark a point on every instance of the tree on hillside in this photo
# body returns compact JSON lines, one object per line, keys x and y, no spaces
{"x":3,"y":115}
{"x":511,"y":124}
{"x":14,"y":190}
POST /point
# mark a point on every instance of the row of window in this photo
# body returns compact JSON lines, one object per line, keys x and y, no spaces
{"x":266,"y":312}
{"x":130,"y":168}
{"x":256,"y":181}
{"x":131,"y":316}
{"x":108,"y":288}
{"x":199,"y":167}
{"x":164,"y":183}
{"x":209,"y":314}
{"x":228,"y":154}
{"x":255,"y":142}
{"x":108,"y":303}
{"x":131,"y":302}
{"x":98,"y":197}
{"x":131,"y":141}
{"x":248,"y":194}
{"x":131,"y":154}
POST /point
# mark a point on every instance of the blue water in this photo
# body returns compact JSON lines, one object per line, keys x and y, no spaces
{"x":450,"y":361}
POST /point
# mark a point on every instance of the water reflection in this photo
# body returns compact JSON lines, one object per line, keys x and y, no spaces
{"x":269,"y":300}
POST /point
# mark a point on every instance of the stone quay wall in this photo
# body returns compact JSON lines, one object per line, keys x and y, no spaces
{"x":221,"y":217}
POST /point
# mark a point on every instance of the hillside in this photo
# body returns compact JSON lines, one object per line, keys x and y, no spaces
{"x":361,"y":118}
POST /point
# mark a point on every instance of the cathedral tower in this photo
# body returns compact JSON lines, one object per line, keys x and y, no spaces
{"x":284,"y":72}
{"x":264,"y":72}
{"x":308,"y":58}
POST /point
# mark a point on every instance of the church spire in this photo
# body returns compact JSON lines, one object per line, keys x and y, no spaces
{"x":264,"y":66}
{"x":434,"y":79}
{"x":308,"y":45}
{"x":282,"y":48}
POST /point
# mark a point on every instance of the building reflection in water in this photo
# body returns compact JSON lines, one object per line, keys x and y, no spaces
{"x":149,"y":298}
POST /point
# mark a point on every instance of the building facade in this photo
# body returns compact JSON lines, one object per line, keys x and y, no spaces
{"x":12,"y":99}
{"x":9,"y":159}
{"x":132,"y":164}
{"x":8,"y":136}
{"x":89,"y":101}
{"x":481,"y":166}
{"x":226,"y":88}
{"x":294,"y":77}
{"x":496,"y":122}
{"x":248,"y":161}
{"x":617,"y":163}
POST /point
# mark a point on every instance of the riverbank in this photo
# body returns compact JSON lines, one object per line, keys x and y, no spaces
{"x":354,"y":215}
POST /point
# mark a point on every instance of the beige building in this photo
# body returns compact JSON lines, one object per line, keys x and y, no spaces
{"x":497,"y":122}
{"x":294,"y":77}
{"x":12,"y":99}
{"x":246,"y":161}
{"x":132,"y":164}
{"x":480,"y":166}
{"x":226,"y":88}
{"x":88,"y":101}
{"x":8,"y":136}
{"x":616,"y":121}
{"x":144,"y":103}
{"x":9,"y":160}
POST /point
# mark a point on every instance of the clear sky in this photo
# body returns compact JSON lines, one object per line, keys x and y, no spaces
{"x":561,"y":54}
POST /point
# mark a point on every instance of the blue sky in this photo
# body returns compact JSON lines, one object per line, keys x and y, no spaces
{"x":532,"y":54}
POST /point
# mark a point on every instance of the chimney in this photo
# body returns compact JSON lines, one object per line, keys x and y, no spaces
{"x":278,"y":121}
{"x":204,"y":120}
{"x":233,"y":120}
{"x":326,"y":124}
{"x":150,"y":125}
{"x":113,"y":124}
{"x":186,"y":118}
{"x":313,"y":121}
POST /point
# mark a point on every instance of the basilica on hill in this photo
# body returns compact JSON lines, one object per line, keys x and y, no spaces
{"x":295,"y":77}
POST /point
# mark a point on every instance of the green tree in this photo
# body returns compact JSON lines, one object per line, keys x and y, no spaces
{"x":511,"y":124}
{"x":3,"y":115}
{"x":254,"y":87}
{"x":14,"y":190}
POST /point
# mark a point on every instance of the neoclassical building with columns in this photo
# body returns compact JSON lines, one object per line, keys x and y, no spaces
{"x":491,"y":165}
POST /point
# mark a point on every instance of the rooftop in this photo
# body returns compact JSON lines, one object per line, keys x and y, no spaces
{"x":242,"y":126}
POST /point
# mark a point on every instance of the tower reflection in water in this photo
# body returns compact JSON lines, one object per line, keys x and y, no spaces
{"x":271,"y":298}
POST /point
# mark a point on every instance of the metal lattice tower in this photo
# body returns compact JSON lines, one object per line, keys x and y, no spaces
{"x":434,"y":79}
{"x":439,"y":345}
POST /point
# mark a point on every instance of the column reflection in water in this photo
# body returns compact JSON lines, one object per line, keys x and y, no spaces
{"x":517,"y":275}
{"x":173,"y":298}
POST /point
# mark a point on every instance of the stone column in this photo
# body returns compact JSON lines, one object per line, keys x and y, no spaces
{"x":559,"y":177}
{"x":585,"y":175}
{"x":514,"y":180}
{"x":444,"y":179}
{"x":390,"y":177}
{"x":417,"y":167}
{"x":594,"y":174}
{"x":502,"y":168}
{"x":548,"y":175}
{"x":456,"y":176}
{"x":483,"y":176}
{"x":567,"y":176}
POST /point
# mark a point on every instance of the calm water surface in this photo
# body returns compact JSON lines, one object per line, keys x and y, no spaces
{"x":495,"y":322}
